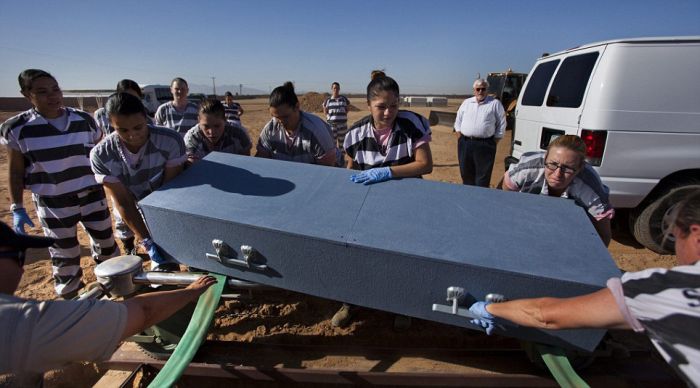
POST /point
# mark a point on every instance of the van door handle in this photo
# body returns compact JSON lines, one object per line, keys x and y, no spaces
{"x":518,"y":142}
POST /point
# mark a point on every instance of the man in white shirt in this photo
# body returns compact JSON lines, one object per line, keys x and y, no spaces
{"x":481,"y":122}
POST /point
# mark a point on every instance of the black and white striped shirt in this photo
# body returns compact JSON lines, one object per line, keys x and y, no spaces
{"x":665,"y":303}
{"x":233,"y":111}
{"x":409,"y":132}
{"x":311,"y":141}
{"x":164,"y":148}
{"x":233,"y":141}
{"x":56,"y":159}
{"x":337,"y":109}
{"x":168,"y":116}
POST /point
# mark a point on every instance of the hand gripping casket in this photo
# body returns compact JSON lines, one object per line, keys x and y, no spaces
{"x":395,"y":246}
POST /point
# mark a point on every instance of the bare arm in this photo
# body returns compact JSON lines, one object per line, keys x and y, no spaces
{"x":245,"y":151}
{"x":171,"y":172}
{"x":596,"y":310}
{"x":506,"y":179}
{"x":126,"y":204}
{"x":261,"y":153}
{"x":423,"y":164}
{"x":328,"y":159}
{"x":145,"y":310}
{"x":15,"y":175}
{"x":349,"y":162}
{"x":603,"y":229}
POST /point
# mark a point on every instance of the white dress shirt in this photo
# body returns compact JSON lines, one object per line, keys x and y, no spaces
{"x":481,"y":120}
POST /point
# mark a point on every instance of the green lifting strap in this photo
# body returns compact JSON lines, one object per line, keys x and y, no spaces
{"x":193,"y":337}
{"x":560,"y":367}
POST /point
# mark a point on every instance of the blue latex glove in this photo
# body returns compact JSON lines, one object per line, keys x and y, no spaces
{"x":19,"y":219}
{"x":373,"y":175}
{"x":153,"y":253}
{"x":486,"y":320}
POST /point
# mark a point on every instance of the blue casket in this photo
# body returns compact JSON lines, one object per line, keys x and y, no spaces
{"x":396,"y":246}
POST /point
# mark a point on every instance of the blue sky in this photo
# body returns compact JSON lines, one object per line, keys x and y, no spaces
{"x":427,"y":46}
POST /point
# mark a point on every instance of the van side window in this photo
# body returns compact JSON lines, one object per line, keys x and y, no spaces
{"x":537,"y":87}
{"x":570,"y":83}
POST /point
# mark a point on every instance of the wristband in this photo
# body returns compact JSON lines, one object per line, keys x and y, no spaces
{"x":16,"y":206}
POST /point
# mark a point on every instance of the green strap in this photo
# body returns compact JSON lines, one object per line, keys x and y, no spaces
{"x":193,"y":337}
{"x":560,"y":367}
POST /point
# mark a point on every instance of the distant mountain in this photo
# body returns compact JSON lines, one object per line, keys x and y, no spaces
{"x":221,"y":89}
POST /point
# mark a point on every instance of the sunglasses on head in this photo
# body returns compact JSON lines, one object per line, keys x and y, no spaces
{"x":17,"y":255}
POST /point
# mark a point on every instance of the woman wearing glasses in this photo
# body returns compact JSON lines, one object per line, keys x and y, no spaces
{"x":562,"y":171}
{"x":663,"y":303}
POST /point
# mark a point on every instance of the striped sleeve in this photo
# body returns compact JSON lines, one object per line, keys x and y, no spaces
{"x":174,"y":147}
{"x":667,"y":304}
{"x":95,"y":131}
{"x":97,"y":163}
{"x":522,"y":175}
{"x":160,"y":115}
{"x":265,"y":139}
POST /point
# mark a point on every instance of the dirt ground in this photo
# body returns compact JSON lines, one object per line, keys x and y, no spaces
{"x":286,"y":316}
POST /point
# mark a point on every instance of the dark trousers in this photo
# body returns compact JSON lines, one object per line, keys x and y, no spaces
{"x":476,"y":158}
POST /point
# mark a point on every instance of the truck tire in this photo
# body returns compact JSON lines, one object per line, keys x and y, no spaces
{"x":647,"y":222}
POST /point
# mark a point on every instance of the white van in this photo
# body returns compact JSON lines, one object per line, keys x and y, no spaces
{"x":636,"y":103}
{"x":154,"y":96}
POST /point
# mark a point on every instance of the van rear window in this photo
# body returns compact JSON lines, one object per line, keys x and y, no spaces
{"x":537,"y":87}
{"x":572,"y":78}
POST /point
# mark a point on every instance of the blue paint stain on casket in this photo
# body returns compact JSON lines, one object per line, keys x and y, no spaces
{"x":394,"y":246}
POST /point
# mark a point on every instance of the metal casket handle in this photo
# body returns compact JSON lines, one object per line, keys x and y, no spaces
{"x":224,"y":255}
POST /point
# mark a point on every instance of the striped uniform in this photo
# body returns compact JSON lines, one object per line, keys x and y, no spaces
{"x":665,"y":303}
{"x":168,"y":116}
{"x":410,"y":131}
{"x":310,"y":142}
{"x":64,"y":191}
{"x":586,"y":189}
{"x":337,"y":117}
{"x":164,"y":148}
{"x":232,"y":112}
{"x":233,"y":141}
{"x":103,"y":123}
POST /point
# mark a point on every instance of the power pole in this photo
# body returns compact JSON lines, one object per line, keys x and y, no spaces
{"x":213,"y":82}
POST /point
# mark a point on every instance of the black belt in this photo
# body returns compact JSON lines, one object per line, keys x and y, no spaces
{"x":477,"y":138}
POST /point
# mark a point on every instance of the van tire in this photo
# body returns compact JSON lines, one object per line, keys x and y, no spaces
{"x":646,"y":222}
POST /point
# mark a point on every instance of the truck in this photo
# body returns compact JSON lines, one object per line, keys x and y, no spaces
{"x":154,"y":96}
{"x":634,"y":103}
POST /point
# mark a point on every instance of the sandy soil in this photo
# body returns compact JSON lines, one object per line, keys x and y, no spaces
{"x":286,"y":316}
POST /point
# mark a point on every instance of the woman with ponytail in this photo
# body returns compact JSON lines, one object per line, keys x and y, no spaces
{"x":388,"y":143}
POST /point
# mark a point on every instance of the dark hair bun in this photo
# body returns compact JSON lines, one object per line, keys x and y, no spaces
{"x":288,"y":85}
{"x":376,"y":74}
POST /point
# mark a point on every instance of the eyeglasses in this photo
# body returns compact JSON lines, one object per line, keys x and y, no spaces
{"x":566,"y":170}
{"x":17,"y":255}
{"x":479,"y":89}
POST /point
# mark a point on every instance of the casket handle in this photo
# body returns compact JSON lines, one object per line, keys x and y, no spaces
{"x":226,"y":256}
{"x":455,"y":295}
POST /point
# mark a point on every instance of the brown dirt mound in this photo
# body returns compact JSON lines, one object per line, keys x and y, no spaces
{"x":313,"y":102}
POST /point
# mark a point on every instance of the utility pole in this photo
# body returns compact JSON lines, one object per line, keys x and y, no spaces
{"x":213,"y":82}
{"x":240,"y":89}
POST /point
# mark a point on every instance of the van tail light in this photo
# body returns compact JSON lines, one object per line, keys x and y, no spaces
{"x":595,"y":145}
